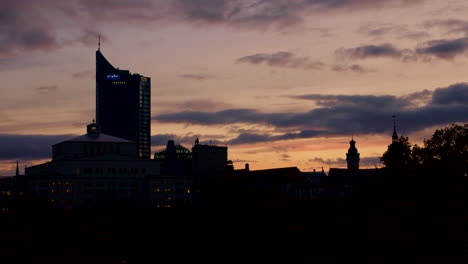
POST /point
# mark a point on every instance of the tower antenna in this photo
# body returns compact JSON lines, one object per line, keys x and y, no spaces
{"x":99,"y":42}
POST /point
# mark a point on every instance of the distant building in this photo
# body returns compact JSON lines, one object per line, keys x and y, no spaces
{"x":175,"y":160}
{"x":208,"y":163}
{"x":174,"y":186}
{"x":352,"y":157}
{"x":8,"y":193}
{"x":343,"y":182}
{"x":123,"y":105}
{"x":313,"y":187}
{"x":93,"y":170}
{"x":280,"y":180}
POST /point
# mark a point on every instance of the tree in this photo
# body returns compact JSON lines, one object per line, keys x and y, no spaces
{"x":447,"y":150}
{"x":446,"y":153}
{"x":398,"y":155}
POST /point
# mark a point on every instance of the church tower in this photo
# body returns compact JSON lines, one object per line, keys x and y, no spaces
{"x":394,"y":135}
{"x":17,"y":169}
{"x":352,"y":157}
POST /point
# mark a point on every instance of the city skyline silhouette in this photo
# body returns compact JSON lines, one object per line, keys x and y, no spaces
{"x":233,"y":131}
{"x":294,"y":102}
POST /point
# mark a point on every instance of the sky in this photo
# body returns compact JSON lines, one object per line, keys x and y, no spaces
{"x":282,"y":83}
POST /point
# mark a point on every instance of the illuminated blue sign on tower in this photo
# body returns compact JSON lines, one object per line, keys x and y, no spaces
{"x":113,"y":77}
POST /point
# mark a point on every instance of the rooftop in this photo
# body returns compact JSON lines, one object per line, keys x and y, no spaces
{"x":99,"y":137}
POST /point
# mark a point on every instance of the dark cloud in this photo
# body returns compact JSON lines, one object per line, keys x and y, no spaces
{"x":241,"y":138}
{"x":24,"y":28}
{"x":341,"y":162}
{"x":30,"y":25}
{"x":353,"y":68}
{"x":361,"y":101}
{"x":46,"y":89}
{"x":338,"y":162}
{"x":342,"y":115}
{"x":369,"y":161}
{"x":444,"y":48}
{"x":282,"y":59}
{"x":187,"y":140}
{"x":374,"y":51}
{"x":454,"y":94}
{"x":28,"y":146}
{"x":249,"y":138}
{"x":198,"y":76}
{"x":266,"y":13}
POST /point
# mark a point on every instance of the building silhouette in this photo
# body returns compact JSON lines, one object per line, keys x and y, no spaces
{"x":123,"y":104}
{"x":91,"y":170}
{"x":352,"y":157}
{"x":209,"y":165}
{"x":175,"y":160}
{"x":342,"y":183}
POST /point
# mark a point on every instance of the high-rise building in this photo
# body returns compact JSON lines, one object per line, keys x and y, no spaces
{"x":123,"y":104}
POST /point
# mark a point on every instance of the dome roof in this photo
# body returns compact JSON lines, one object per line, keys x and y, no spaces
{"x":98,"y":138}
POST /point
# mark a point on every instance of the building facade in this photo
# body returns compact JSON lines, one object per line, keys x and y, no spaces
{"x":175,"y":160}
{"x":93,"y":170}
{"x":123,"y":105}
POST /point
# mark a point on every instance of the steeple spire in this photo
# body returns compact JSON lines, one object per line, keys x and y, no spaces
{"x":395,"y":135}
{"x":17,"y":169}
{"x":99,"y":42}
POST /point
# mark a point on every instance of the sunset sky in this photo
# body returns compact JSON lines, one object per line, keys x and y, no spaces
{"x":282,"y":82}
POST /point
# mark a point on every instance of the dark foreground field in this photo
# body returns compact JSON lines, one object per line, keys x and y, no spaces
{"x":293,"y":232}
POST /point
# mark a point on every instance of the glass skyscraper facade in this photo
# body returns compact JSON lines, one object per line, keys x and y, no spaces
{"x":123,"y":104}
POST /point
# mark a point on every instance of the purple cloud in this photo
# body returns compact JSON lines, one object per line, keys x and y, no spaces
{"x":372,"y":51}
{"x":446,"y":49}
{"x":343,"y":114}
{"x":282,"y":59}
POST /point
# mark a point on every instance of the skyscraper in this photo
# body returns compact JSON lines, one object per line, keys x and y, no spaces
{"x":123,"y":104}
